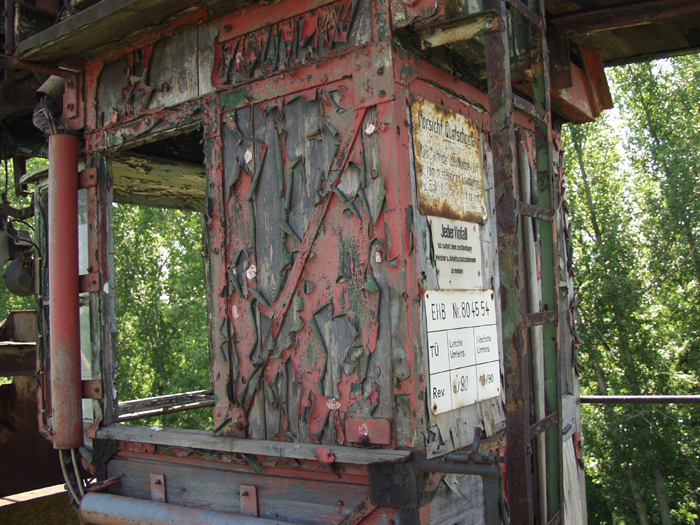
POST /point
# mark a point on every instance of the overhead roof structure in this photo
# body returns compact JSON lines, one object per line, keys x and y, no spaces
{"x":47,"y":37}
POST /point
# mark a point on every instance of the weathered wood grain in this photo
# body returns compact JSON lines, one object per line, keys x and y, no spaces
{"x":207,"y":441}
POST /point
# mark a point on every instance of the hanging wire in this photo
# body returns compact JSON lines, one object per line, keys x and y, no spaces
{"x":76,"y":468}
{"x":67,"y":479}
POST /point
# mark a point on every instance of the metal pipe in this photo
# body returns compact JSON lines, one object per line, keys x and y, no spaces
{"x":109,"y":509}
{"x":446,"y":467}
{"x":64,"y":321}
{"x":622,"y":400}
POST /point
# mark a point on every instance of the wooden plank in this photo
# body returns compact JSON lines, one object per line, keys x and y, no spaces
{"x":161,"y":182}
{"x":97,"y":25}
{"x":380,"y":369}
{"x":207,"y":441}
{"x":290,"y":498}
{"x":623,"y":16}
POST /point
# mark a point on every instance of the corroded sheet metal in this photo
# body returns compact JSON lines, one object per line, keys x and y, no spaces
{"x":447,"y":149}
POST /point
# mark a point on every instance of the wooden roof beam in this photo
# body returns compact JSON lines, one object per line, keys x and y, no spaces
{"x":636,"y":14}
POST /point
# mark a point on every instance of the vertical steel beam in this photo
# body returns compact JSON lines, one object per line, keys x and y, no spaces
{"x":64,"y":321}
{"x":512,"y":294}
{"x":549,"y":260}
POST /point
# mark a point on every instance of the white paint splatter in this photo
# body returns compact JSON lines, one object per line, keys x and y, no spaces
{"x":333,"y":404}
{"x":248,"y":156}
{"x":363,"y":430}
{"x":234,"y":312}
{"x":370,"y":129}
{"x":105,"y":288}
{"x":377,"y":256}
{"x":251,"y":272}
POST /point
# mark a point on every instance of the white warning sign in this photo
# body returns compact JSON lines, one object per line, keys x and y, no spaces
{"x":457,"y":253}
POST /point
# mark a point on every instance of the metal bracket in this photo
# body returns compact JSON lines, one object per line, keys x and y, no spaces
{"x":373,"y":76}
{"x":249,"y":500}
{"x":92,"y":389}
{"x":90,"y":282}
{"x":88,"y":178}
{"x":73,"y":106}
{"x":397,"y":485}
{"x":158,"y":488}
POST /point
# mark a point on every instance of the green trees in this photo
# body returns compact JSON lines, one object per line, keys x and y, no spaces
{"x":162,"y":342}
{"x":633,"y":188}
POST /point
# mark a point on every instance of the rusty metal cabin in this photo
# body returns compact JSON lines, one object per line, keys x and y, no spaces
{"x":387,"y":273}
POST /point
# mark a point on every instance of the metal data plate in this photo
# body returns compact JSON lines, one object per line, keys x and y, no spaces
{"x":447,"y":151}
{"x":463,"y":351}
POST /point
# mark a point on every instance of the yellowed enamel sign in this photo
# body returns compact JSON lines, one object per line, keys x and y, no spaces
{"x":447,"y":149}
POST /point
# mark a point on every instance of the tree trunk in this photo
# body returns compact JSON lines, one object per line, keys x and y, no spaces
{"x":637,"y":497}
{"x":589,"y":199}
{"x":662,"y":496}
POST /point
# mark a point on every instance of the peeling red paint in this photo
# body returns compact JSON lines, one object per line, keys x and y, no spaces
{"x":324,"y":455}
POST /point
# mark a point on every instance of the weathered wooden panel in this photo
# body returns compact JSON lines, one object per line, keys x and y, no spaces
{"x":287,"y":42}
{"x":302,"y":201}
{"x":163,"y":74}
{"x":459,"y":501}
{"x":289,"y":498}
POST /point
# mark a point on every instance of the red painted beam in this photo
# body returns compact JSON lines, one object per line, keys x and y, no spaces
{"x":635,"y":14}
{"x":64,"y":338}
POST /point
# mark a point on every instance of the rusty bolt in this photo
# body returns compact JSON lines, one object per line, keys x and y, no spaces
{"x":244,"y":493}
{"x":158,"y":482}
{"x":357,"y":67}
{"x":227,"y":28}
{"x":382,"y":93}
{"x":380,"y":71}
{"x":70,"y":84}
{"x":340,"y":503}
{"x":362,"y":100}
{"x":70,"y":107}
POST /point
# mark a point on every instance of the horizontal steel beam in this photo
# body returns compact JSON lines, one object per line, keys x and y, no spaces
{"x":636,"y":14}
{"x":491,"y":471}
{"x":622,"y":400}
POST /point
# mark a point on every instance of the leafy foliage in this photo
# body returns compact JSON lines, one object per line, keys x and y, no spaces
{"x":162,"y":343}
{"x":633,"y":192}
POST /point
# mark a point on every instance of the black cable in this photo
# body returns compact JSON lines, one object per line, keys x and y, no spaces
{"x":22,"y":222}
{"x":7,"y":177}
